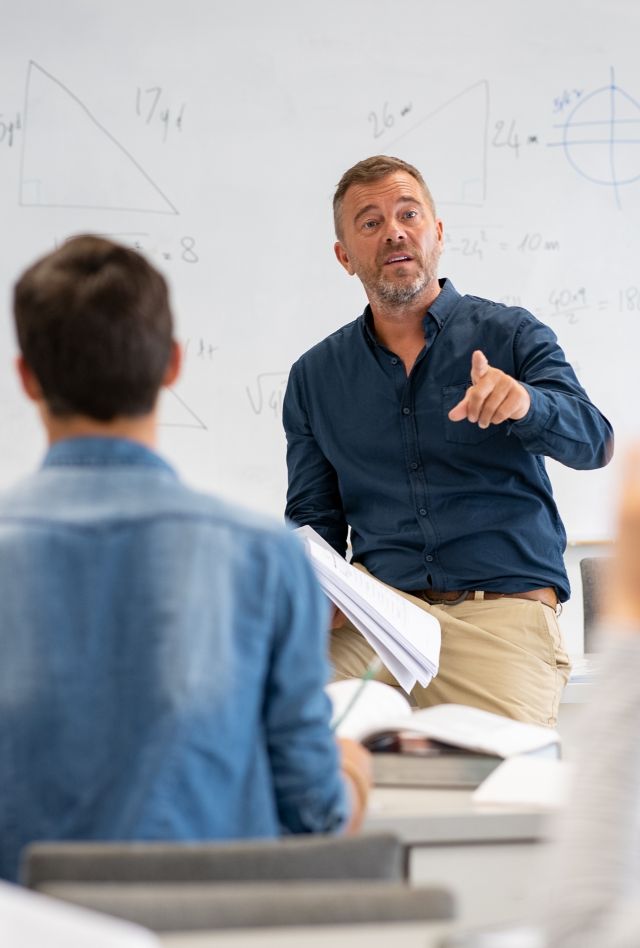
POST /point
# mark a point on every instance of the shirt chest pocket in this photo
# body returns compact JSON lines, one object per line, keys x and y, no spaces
{"x":463,"y":432}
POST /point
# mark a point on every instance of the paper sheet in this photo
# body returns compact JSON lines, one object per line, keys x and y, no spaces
{"x":406,"y":638}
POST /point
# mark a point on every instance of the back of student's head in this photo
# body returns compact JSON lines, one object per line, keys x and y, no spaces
{"x":94,"y":325}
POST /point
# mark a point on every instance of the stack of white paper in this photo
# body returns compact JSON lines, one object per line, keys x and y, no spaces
{"x":406,"y":637}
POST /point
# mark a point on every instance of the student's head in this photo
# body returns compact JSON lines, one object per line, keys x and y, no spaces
{"x":95,"y":330}
{"x":370,"y":170}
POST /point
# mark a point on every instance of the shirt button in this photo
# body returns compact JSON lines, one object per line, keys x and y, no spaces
{"x":413,"y":466}
{"x":429,"y":558}
{"x":394,"y":361}
{"x":406,"y":411}
{"x":422,"y":512}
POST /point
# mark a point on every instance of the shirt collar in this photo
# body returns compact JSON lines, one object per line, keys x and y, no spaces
{"x":444,"y":303}
{"x":103,"y":452}
{"x":439,"y":311}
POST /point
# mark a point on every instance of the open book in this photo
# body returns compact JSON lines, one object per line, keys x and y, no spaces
{"x":406,"y":637}
{"x":380,"y":709}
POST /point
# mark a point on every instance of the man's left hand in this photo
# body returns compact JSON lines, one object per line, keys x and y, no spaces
{"x":493,"y":396}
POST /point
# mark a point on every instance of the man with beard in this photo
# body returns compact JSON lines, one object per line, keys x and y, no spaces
{"x":422,"y":428}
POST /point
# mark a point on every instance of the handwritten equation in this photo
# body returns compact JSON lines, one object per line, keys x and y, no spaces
{"x":571,"y":303}
{"x":386,"y":118}
{"x":567,"y":98}
{"x":199,"y":348}
{"x":152,"y":108}
{"x":181,"y":249}
{"x":266,"y":396}
{"x":9,"y":127}
{"x":506,"y":135}
{"x":481,"y":241}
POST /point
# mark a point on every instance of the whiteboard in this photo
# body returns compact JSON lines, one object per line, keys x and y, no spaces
{"x":211,"y":136}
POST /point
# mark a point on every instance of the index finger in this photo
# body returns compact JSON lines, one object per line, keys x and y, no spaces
{"x":479,"y":365}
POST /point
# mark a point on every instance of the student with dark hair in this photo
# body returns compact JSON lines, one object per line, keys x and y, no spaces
{"x":163,"y":654}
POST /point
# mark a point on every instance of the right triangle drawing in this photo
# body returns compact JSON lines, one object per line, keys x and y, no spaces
{"x":70,"y":160}
{"x":449,"y":146}
{"x":175,"y":413}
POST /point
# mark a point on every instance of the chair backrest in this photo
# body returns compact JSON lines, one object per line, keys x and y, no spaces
{"x":367,"y":856}
{"x":166,"y":907}
{"x":592,"y":571}
{"x":200,"y":886}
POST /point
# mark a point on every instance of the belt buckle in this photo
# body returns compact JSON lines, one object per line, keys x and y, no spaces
{"x":445,"y":602}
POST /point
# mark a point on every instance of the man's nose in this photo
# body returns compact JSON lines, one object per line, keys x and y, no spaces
{"x":394,"y":232}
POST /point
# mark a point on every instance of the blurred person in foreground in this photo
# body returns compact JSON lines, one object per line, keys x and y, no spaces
{"x":163,"y":654}
{"x":595,"y":901}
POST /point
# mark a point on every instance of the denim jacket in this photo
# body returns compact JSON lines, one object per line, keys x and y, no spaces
{"x":162,"y":662}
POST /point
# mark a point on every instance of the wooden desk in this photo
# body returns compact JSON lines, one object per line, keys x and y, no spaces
{"x":490,"y":857}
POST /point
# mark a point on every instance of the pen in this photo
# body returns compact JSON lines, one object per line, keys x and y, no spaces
{"x":371,"y":671}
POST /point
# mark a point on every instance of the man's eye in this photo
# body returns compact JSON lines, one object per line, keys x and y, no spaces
{"x":369,"y":225}
{"x":409,"y":214}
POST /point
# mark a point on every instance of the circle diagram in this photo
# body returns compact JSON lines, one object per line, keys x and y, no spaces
{"x":601,"y":135}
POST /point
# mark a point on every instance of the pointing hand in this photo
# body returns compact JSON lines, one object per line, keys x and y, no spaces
{"x":493,"y":396}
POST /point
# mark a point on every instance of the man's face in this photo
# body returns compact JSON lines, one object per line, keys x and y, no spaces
{"x":390,"y":239}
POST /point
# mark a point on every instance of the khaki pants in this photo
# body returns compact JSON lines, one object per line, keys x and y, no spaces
{"x":503,"y":655}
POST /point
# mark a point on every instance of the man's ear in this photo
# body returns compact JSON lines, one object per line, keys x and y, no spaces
{"x":174,"y":365}
{"x":30,"y":385}
{"x":343,"y":257}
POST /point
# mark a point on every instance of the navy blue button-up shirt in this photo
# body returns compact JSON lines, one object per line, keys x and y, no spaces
{"x":433,"y":503}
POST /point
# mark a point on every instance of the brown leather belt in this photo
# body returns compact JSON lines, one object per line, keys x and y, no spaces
{"x":546,"y":595}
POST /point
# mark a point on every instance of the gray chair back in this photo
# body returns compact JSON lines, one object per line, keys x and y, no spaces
{"x":172,"y":907}
{"x":593,"y":574}
{"x":215,"y":885}
{"x":366,"y":856}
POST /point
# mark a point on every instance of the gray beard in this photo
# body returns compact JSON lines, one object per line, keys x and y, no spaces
{"x":394,"y":294}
